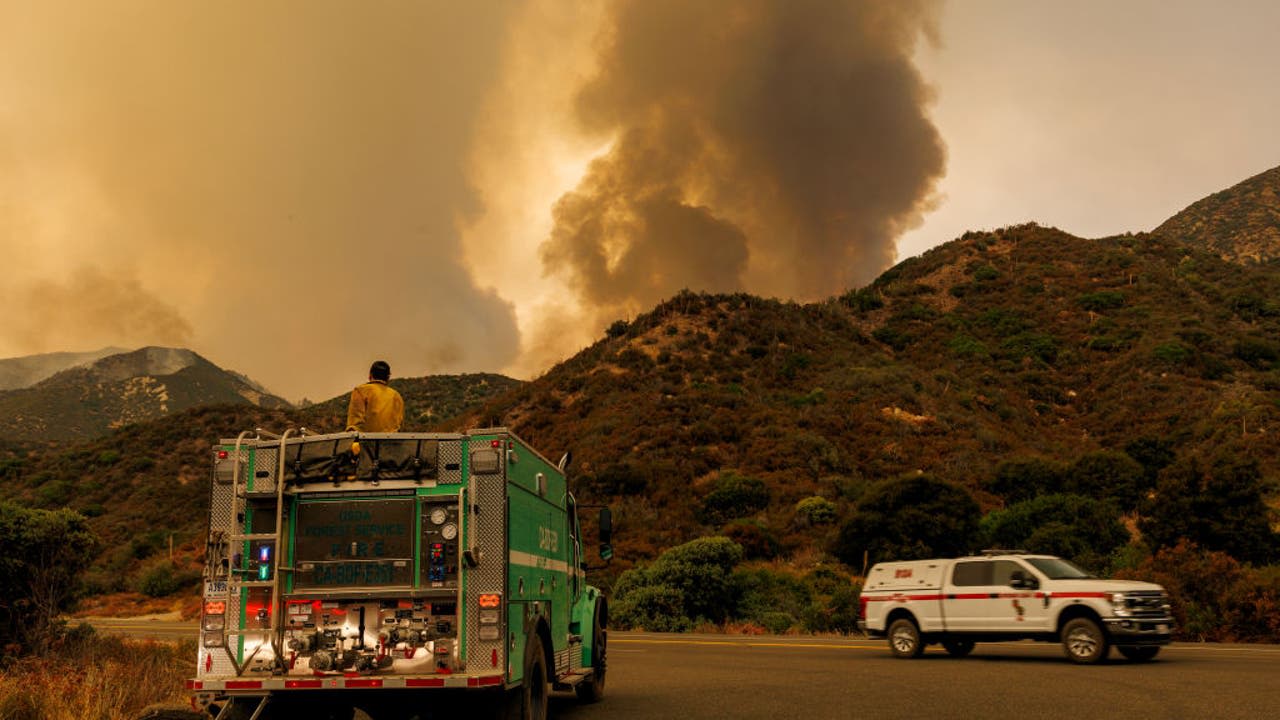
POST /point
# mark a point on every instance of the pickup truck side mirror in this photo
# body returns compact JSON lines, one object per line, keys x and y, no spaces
{"x":1019,"y":579}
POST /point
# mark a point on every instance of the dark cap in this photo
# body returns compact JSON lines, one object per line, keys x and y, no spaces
{"x":380,"y":370}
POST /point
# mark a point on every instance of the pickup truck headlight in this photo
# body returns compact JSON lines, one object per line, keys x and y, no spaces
{"x":1120,"y":604}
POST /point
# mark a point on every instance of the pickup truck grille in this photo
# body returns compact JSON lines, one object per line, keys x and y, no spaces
{"x":1147,"y":603}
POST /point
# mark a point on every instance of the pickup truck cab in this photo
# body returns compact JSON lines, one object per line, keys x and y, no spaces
{"x":1012,"y":596}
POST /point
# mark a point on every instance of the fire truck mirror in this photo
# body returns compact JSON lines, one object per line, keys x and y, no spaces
{"x":606,"y":526}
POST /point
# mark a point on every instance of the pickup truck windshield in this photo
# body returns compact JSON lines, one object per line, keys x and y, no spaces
{"x":1058,"y":569}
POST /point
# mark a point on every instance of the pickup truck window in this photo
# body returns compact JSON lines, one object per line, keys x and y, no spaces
{"x":1058,"y":569}
{"x":975,"y":572}
{"x":1002,"y":572}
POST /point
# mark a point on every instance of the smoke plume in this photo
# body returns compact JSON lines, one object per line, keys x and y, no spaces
{"x":777,"y":146}
{"x":287,"y":176}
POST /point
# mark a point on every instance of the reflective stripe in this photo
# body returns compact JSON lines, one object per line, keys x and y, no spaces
{"x":538,"y":562}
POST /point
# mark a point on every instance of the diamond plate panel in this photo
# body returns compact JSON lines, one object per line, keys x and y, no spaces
{"x":491,"y":574}
{"x":450,"y":457}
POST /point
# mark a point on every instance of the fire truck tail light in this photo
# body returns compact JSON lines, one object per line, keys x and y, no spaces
{"x":489,"y":600}
{"x":490,"y":632}
{"x":488,"y":617}
{"x":215,"y":607}
{"x":215,"y":623}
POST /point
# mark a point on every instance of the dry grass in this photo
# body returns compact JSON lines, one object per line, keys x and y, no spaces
{"x":95,"y":678}
{"x":130,"y":604}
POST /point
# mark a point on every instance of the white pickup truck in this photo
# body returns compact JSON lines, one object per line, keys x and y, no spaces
{"x":1012,"y":596}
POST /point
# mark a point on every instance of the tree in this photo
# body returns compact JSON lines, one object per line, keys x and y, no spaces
{"x":734,"y":496}
{"x":1109,"y":474}
{"x":1078,"y":528}
{"x":1025,"y":478}
{"x":689,"y":582}
{"x":913,"y":517}
{"x":1218,"y":507}
{"x":45,"y":552}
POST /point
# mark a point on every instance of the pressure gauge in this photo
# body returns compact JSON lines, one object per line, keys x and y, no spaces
{"x":438,"y":516}
{"x":449,"y":532}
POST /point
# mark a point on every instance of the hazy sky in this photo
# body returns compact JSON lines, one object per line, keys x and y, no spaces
{"x":294,"y":189}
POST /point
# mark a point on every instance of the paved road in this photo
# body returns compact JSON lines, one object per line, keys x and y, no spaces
{"x":711,"y":676}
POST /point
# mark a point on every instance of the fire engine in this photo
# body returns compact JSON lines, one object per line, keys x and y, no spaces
{"x":379,"y":571}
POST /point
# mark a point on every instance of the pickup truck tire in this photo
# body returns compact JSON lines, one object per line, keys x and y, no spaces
{"x":904,"y":639}
{"x":958,"y":648}
{"x":1139,"y":653}
{"x":1083,"y":641}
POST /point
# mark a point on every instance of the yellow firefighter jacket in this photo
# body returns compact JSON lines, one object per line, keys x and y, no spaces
{"x":375,"y":407}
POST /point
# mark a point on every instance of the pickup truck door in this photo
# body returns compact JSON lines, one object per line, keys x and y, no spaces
{"x":1016,"y":609}
{"x":967,"y":596}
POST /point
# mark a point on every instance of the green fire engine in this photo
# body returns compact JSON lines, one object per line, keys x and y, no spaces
{"x":389,"y":571}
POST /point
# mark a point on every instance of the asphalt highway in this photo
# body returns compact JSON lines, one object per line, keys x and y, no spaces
{"x":654,"y":676}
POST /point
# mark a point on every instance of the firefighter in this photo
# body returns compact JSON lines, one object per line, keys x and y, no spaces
{"x":375,"y":406}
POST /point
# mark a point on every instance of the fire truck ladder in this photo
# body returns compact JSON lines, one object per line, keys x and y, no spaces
{"x":240,"y":537}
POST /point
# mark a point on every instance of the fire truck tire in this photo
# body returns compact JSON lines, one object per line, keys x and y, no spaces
{"x":904,"y":639}
{"x":1139,"y":653}
{"x":529,"y":701}
{"x":171,"y":712}
{"x":592,"y":690}
{"x":1084,"y":642}
{"x":957,"y":648}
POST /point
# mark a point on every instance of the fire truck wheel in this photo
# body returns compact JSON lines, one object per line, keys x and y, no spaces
{"x":1139,"y":653}
{"x":171,"y":712}
{"x":1083,"y":641}
{"x":958,"y":648}
{"x":529,"y":701}
{"x":592,"y":690}
{"x":904,"y":639}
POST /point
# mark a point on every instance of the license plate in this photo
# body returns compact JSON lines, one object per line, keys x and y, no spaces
{"x":215,"y":588}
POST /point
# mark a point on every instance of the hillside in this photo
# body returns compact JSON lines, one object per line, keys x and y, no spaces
{"x":89,"y":400}
{"x":1025,"y":342}
{"x":20,"y":372}
{"x":1241,"y":223}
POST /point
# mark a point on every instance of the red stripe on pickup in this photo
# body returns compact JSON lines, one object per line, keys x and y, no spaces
{"x":1080,"y":595}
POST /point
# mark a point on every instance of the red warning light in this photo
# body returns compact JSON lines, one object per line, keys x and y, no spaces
{"x":223,"y":454}
{"x":495,"y":443}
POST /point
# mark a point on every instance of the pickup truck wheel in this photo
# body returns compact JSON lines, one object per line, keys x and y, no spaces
{"x":1139,"y":653}
{"x":958,"y":648}
{"x":904,"y":639}
{"x":1083,"y":641}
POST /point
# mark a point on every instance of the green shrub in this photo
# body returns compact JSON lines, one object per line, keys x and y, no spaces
{"x":1079,"y":528}
{"x":1172,"y":353}
{"x":909,"y":518}
{"x":733,"y":497}
{"x":815,"y":510}
{"x":1099,"y":301}
{"x":657,"y":608}
{"x":1025,"y":478}
{"x":1109,"y":475}
{"x":1257,"y":352}
{"x":45,"y":553}
{"x":963,"y":345}
{"x":864,"y":300}
{"x":1219,"y":506}
{"x":986,"y":273}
